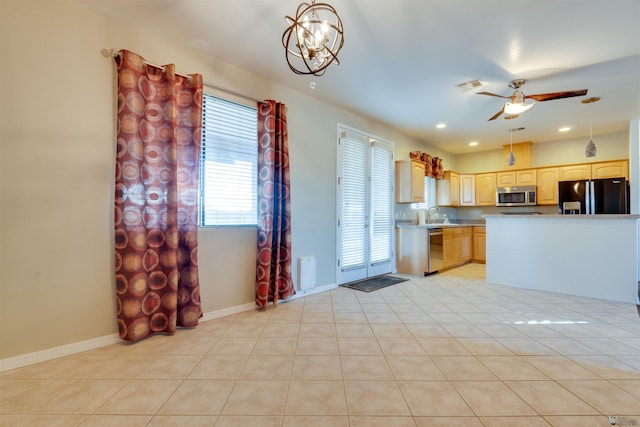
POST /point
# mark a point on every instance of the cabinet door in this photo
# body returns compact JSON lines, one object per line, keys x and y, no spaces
{"x":505,"y":179}
{"x":479,"y":245}
{"x":467,"y":244}
{"x":448,"y":189}
{"x":417,"y":181}
{"x":486,"y":189}
{"x":574,"y":172}
{"x":610,"y":170}
{"x":409,"y":181}
{"x":467,"y":190}
{"x":526,"y":177}
{"x":547,"y":188}
{"x":448,"y":250}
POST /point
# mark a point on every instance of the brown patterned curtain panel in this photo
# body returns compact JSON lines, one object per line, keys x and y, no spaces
{"x":273,"y":271}
{"x":156,"y":194}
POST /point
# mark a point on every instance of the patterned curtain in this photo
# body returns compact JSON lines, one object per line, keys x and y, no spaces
{"x":273,"y":272}
{"x":156,"y":188}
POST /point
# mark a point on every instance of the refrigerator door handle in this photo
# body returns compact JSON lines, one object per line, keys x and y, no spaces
{"x":587,"y":197}
{"x":592,"y":198}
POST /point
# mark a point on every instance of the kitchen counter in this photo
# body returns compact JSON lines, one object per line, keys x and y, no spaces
{"x":593,"y":256}
{"x":429,"y":226}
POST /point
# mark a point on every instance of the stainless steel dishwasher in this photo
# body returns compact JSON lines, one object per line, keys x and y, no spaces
{"x":435,"y":257}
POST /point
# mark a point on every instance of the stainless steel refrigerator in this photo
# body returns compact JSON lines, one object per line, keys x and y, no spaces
{"x":596,"y":196}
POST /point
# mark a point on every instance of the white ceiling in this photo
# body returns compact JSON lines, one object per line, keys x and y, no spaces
{"x":402,"y":59}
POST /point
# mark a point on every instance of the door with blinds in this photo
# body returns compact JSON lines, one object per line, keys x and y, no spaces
{"x":365,"y":207}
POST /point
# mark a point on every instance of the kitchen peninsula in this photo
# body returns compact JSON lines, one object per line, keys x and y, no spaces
{"x":593,"y":256}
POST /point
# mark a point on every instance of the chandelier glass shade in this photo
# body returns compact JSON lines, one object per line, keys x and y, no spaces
{"x":313,"y":39}
{"x":590,"y":150}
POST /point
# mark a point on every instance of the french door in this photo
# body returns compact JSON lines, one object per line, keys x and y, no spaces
{"x":365,"y":207}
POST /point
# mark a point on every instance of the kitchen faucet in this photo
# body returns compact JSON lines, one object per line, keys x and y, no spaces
{"x":437,"y":209}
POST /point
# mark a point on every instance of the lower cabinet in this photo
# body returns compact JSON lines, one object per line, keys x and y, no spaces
{"x":479,"y":244}
{"x":457,"y":246}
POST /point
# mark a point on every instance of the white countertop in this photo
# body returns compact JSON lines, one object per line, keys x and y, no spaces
{"x":438,"y":225}
{"x":568,"y":217}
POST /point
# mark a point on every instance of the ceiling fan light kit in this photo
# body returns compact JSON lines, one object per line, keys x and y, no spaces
{"x":590,"y":150}
{"x":313,"y":39}
{"x":516,"y":102}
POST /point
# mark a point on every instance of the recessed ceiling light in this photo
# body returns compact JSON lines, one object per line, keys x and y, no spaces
{"x":441,"y":125}
{"x":473,"y":143}
{"x":564,"y":129}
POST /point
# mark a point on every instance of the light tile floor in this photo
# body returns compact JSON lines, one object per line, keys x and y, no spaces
{"x":445,"y":350}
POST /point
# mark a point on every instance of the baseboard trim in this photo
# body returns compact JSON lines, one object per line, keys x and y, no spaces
{"x":316,"y":290}
{"x":56,"y":352}
{"x":80,"y":346}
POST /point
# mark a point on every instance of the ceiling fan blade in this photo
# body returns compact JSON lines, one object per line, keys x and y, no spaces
{"x":557,"y":95}
{"x":493,"y":94}
{"x":496,"y":115}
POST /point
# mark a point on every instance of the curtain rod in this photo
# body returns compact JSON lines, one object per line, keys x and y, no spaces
{"x":207,"y":84}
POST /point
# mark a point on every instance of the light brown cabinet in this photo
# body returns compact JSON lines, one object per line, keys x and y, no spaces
{"x":514,"y":178}
{"x":506,"y":179}
{"x":409,"y":181}
{"x":467,"y":244}
{"x":486,"y":189}
{"x":616,"y":169}
{"x":547,"y":187}
{"x":526,"y":177}
{"x":574,"y":172}
{"x":451,"y":247}
{"x":479,"y":244}
{"x":457,"y":246}
{"x":448,"y":189}
{"x":467,"y":190}
{"x":613,"y":169}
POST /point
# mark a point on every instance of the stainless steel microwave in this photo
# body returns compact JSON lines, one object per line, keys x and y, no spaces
{"x":524,"y":195}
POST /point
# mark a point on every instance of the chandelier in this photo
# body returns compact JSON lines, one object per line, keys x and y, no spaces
{"x":590,"y":149}
{"x":313,"y":39}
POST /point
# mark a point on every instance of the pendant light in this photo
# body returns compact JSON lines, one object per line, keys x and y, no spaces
{"x":590,"y":149}
{"x":511,"y":158}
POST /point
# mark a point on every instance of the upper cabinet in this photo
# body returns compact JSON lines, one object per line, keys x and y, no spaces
{"x":486,"y":189}
{"x":574,"y":172}
{"x":547,"y":186}
{"x":616,"y":169}
{"x":514,"y":178}
{"x":448,"y":189}
{"x":467,"y":190}
{"x":409,"y":181}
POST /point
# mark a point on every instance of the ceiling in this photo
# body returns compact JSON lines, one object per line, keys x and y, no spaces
{"x":402,"y":59}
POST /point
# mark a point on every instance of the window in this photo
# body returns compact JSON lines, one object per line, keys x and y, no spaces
{"x":228,"y":163}
{"x":430,"y":198}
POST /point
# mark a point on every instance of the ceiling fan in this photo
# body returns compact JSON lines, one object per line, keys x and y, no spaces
{"x":516,"y":104}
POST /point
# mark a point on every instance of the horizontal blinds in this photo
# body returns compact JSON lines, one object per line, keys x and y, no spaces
{"x":228,"y":164}
{"x":354,"y":203}
{"x":381,"y":200}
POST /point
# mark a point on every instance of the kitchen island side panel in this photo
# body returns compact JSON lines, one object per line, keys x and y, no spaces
{"x":583,"y":255}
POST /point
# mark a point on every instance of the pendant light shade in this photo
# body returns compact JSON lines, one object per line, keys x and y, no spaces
{"x":590,"y":150}
{"x":511,"y":158}
{"x":313,"y":39}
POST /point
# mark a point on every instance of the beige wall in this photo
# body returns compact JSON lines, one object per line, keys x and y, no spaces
{"x":610,"y":147}
{"x":56,"y":175}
